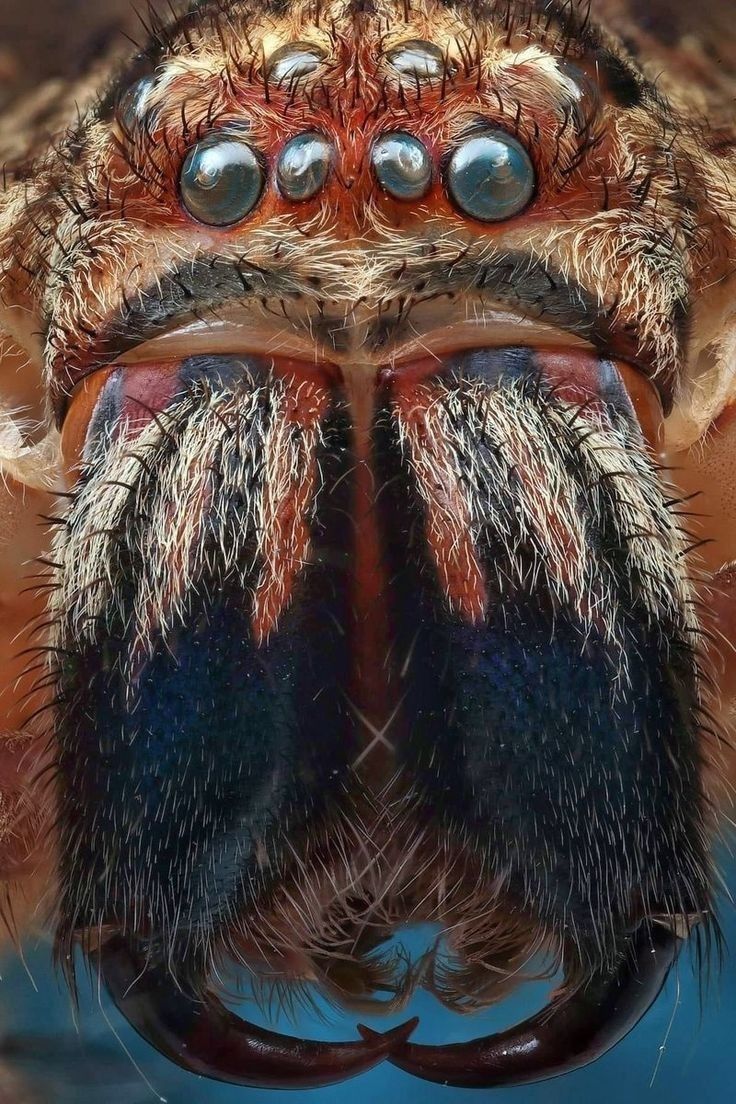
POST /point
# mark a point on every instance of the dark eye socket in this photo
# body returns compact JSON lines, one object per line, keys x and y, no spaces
{"x":221,"y":181}
{"x":491,"y":177}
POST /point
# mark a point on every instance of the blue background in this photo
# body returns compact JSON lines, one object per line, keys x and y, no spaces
{"x":40,"y":1043}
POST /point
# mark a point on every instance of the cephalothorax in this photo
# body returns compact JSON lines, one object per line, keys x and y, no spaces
{"x":366,"y":338}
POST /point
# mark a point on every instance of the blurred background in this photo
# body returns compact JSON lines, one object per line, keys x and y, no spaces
{"x":683,"y":1053}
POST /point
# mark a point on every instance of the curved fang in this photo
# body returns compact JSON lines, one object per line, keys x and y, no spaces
{"x":571,"y":1032}
{"x":205,"y":1038}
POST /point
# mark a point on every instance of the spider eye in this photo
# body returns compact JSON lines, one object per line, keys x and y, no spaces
{"x":583,"y":95}
{"x":303,"y":166}
{"x":221,"y":181}
{"x":294,"y":61}
{"x":402,"y":165}
{"x":133,"y":105}
{"x":417,"y":59}
{"x":491,"y":177}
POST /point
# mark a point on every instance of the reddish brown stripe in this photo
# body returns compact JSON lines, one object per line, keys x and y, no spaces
{"x":147,"y":390}
{"x":288,"y":495}
{"x":448,"y":521}
{"x":577,"y":376}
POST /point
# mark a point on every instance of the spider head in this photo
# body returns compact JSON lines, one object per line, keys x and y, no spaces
{"x":372,"y":602}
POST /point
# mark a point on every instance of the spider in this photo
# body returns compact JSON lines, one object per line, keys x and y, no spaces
{"x":370,"y":366}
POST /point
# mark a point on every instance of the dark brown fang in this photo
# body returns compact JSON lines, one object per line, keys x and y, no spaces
{"x":571,"y":1032}
{"x":204,"y":1038}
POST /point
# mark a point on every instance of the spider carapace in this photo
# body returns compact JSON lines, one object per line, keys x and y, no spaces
{"x":366,"y":372}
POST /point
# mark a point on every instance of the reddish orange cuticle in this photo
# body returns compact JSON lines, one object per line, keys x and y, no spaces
{"x":81,"y":407}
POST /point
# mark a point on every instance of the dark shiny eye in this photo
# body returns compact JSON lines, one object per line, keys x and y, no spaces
{"x":402,"y":165}
{"x":134,"y":103}
{"x":303,"y":166}
{"x":221,"y":181}
{"x":582,"y":94}
{"x":491,"y":177}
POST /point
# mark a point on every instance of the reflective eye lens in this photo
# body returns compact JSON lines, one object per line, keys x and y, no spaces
{"x":582,"y":93}
{"x":132,"y":106}
{"x":294,"y":61}
{"x":303,"y":166}
{"x":402,"y":165}
{"x":421,"y":60}
{"x":491,"y":177}
{"x":221,"y":181}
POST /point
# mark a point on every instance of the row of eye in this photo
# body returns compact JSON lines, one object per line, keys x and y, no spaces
{"x":489,"y":176}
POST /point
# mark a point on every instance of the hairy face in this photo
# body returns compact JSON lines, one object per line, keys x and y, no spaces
{"x":371,"y":600}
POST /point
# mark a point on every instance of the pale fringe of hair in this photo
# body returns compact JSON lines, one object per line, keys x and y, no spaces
{"x":243,"y":433}
{"x":520,"y":448}
{"x":329,"y":922}
{"x":34,"y":466}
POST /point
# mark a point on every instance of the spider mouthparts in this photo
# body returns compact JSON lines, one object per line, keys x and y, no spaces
{"x":203,"y":1037}
{"x":576,"y":1029}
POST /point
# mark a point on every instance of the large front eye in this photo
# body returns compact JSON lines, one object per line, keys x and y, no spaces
{"x":491,"y":177}
{"x":221,"y":181}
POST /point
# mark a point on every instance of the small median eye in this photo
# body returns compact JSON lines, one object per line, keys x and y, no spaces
{"x":221,"y":181}
{"x":303,"y":166}
{"x":402,"y":165}
{"x":491,"y":177}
